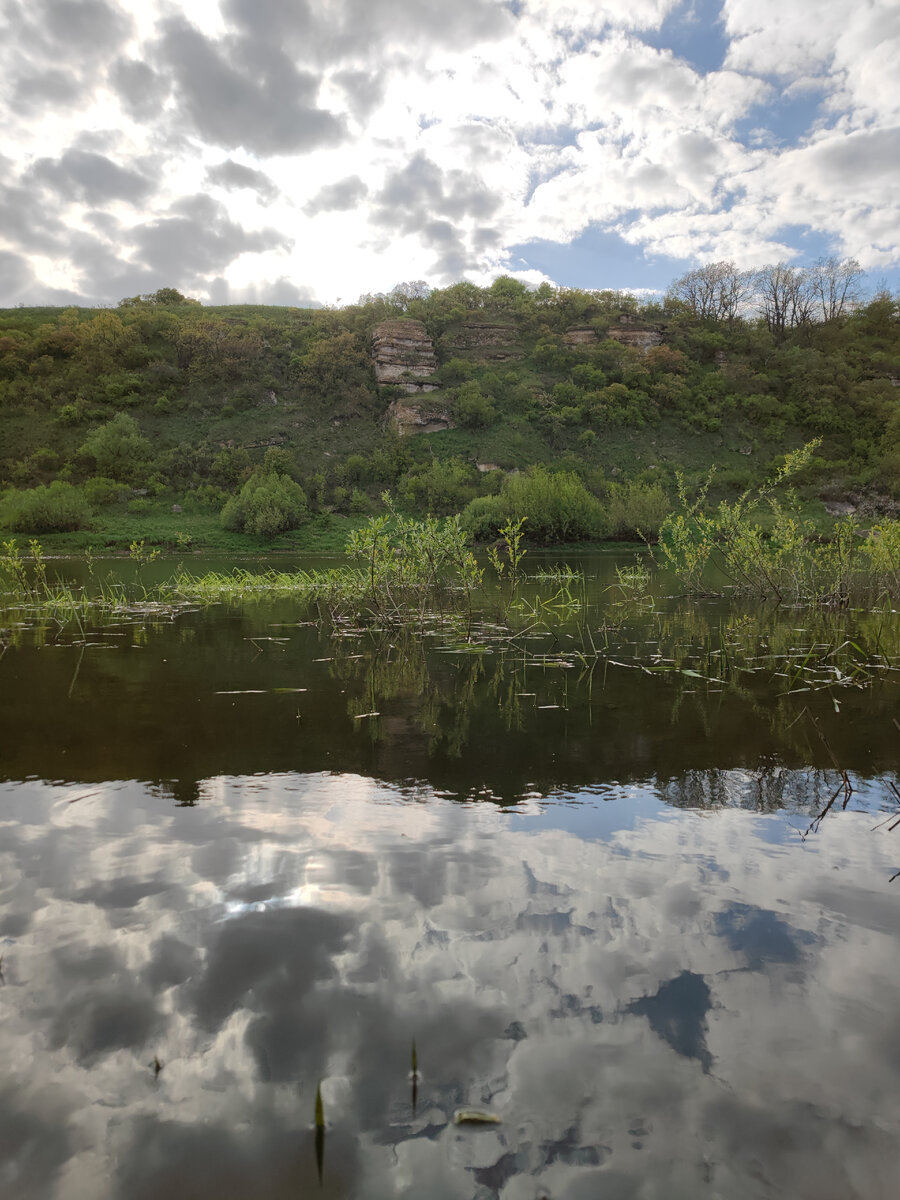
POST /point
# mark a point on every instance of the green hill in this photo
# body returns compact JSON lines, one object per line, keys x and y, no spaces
{"x":155,"y":414}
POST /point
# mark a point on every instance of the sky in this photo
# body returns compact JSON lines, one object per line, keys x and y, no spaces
{"x":310,"y":151}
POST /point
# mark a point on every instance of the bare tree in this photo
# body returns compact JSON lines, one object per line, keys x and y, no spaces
{"x":714,"y":292}
{"x":836,"y":286}
{"x":403,"y":293}
{"x":784,"y":297}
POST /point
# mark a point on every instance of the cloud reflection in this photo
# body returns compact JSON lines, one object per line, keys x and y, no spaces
{"x":685,"y":1002}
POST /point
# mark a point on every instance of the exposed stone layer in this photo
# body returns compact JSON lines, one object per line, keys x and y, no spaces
{"x":403,"y":355}
{"x":579,"y":337}
{"x":641,"y":339}
{"x":424,"y":416}
{"x":486,"y":342}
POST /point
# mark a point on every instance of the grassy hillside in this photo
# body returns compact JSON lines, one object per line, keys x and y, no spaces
{"x":157,"y":413}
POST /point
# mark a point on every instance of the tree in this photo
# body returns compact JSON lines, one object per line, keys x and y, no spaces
{"x":118,"y":449}
{"x":166,"y":297}
{"x":835,"y":285}
{"x":402,"y":294}
{"x":714,"y":292}
{"x":269,"y":503}
{"x":784,"y":297}
{"x":508,"y":294}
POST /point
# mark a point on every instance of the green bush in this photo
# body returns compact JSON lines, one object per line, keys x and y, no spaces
{"x":456,"y":370}
{"x":440,"y":487}
{"x":268,"y":504}
{"x":636,"y":509}
{"x":57,"y":507}
{"x":473,"y":409}
{"x":100,"y":491}
{"x":556,"y":508}
{"x":118,"y":449}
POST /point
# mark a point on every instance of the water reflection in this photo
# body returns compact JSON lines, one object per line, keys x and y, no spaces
{"x":685,"y":688}
{"x":281,"y":963}
{"x":666,"y":1003}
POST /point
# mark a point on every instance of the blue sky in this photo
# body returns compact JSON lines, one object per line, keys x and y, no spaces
{"x":319,"y":150}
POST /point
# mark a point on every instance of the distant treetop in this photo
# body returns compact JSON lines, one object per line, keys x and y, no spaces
{"x":166,"y":297}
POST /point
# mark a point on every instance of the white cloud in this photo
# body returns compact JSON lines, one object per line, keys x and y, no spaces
{"x":556,"y":111}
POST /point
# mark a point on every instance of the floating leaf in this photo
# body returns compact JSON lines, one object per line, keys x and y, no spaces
{"x":475,"y":1116}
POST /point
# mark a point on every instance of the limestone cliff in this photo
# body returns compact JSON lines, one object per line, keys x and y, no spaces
{"x":403,"y":355}
{"x":483,"y":341}
{"x":631,"y":332}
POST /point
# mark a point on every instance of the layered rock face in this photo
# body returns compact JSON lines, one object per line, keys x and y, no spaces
{"x":422,"y":416}
{"x":630,"y":332}
{"x":403,"y":355}
{"x":641,"y":339}
{"x":580,"y":337}
{"x":484,"y":342}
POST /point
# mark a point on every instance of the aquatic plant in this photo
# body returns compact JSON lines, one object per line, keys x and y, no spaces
{"x":785,"y":558}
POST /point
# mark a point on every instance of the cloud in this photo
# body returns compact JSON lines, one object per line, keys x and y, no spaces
{"x":141,"y":90}
{"x":430,"y":144}
{"x":282,"y":291}
{"x":233,"y":176}
{"x":236,"y":95}
{"x":196,"y":239}
{"x":341,"y":196}
{"x":92,"y":178}
{"x":420,"y":191}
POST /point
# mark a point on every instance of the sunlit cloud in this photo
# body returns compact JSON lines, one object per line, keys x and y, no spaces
{"x":346,"y":150}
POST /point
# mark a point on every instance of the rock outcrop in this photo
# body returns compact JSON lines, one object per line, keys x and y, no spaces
{"x":420,"y":416}
{"x":630,"y":333}
{"x":580,"y":337}
{"x":484,"y":341}
{"x":403,"y":355}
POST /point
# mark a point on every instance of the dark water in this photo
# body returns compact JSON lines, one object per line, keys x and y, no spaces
{"x":600,"y":902}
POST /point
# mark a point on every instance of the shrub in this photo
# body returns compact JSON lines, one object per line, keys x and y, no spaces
{"x":556,"y":508}
{"x":440,"y":487}
{"x":57,"y":507}
{"x":100,"y":491}
{"x":119,"y":449}
{"x":473,"y":408}
{"x":456,"y":370}
{"x":268,"y":504}
{"x":635,"y":509}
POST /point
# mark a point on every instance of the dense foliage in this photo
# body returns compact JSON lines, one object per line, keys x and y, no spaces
{"x":164,"y":401}
{"x":268,"y":503}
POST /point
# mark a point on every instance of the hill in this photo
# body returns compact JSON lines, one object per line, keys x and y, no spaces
{"x":146,"y":420}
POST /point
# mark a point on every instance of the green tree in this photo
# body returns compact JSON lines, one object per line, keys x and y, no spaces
{"x":268,"y":504}
{"x":118,"y":449}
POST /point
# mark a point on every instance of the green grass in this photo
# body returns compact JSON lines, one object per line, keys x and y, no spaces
{"x":116,"y":528}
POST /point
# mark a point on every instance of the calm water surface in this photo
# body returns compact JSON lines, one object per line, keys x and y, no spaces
{"x":599,"y":901}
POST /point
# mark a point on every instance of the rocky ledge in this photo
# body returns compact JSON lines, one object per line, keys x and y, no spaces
{"x":630,"y":332}
{"x":403,"y":355}
{"x":483,"y":341}
{"x":422,"y":416}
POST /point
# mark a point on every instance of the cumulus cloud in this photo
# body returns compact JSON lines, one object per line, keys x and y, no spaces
{"x":234,"y":176}
{"x":197,"y":238}
{"x":235,"y":97}
{"x":340,"y":196}
{"x":429,"y":144}
{"x":93,"y":178}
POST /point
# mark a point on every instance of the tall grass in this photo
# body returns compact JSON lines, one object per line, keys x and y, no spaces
{"x":785,"y":559}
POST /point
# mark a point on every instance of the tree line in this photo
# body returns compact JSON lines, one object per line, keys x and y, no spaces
{"x":784,"y":296}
